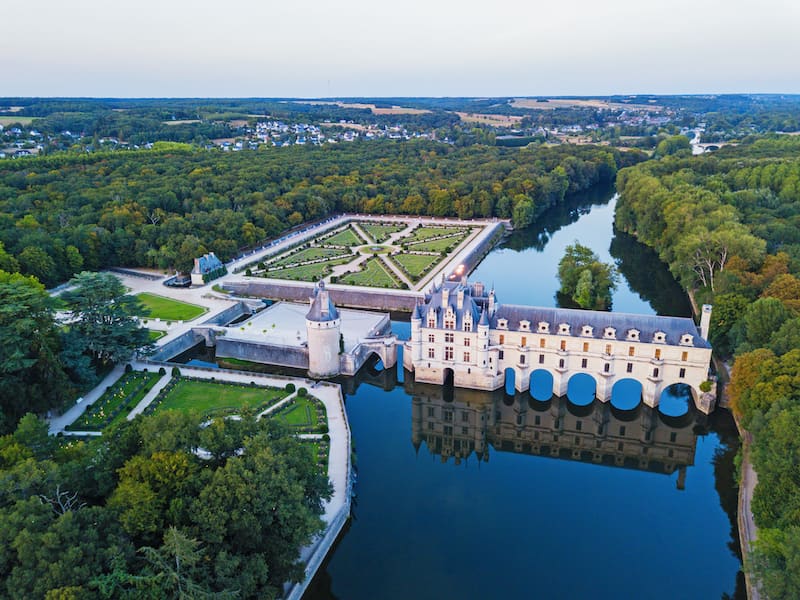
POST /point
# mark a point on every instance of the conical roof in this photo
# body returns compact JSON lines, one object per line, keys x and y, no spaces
{"x":322,"y":307}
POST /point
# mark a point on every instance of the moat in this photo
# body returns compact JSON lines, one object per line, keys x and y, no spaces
{"x":453,"y":501}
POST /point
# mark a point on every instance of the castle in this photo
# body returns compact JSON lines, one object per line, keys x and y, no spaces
{"x":462,"y":335}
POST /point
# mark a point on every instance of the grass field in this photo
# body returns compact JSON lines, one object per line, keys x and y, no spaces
{"x":437,"y":245}
{"x":487,"y":119}
{"x":306,"y":255}
{"x":346,"y":237}
{"x":209,"y":397}
{"x":308,"y":272}
{"x":415,"y":264}
{"x":424,"y":233}
{"x":167,"y":309}
{"x":115,"y":404}
{"x":6,"y":120}
{"x":155,"y":335}
{"x":380,"y":231}
{"x":373,"y":274}
{"x":303,"y":412}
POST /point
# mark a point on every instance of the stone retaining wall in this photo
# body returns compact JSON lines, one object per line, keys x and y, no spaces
{"x":272,"y":354}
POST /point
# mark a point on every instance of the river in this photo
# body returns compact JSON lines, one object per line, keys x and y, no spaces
{"x":489,"y":495}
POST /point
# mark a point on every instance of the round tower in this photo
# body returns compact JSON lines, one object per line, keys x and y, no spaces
{"x":483,"y":340}
{"x":416,"y":334}
{"x":323,"y":328}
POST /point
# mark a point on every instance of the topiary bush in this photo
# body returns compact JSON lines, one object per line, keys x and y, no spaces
{"x":128,"y":368}
{"x":705,"y":386}
{"x":302,"y":392}
{"x":289,"y":387}
{"x":176,"y":372}
{"x":162,"y":371}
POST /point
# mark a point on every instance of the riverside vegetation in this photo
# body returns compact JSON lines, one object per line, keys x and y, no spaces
{"x":728,"y":226}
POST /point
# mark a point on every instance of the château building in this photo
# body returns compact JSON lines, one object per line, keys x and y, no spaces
{"x":462,"y":334}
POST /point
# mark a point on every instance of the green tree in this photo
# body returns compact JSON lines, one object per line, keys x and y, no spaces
{"x":759,"y":321}
{"x":103,"y":317}
{"x":586,"y":280}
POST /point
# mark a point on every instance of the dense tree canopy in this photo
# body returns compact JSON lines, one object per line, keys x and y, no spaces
{"x":586,"y":280}
{"x":136,"y":513}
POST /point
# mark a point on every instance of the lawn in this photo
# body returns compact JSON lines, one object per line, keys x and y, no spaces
{"x":347,"y":237}
{"x":154,"y":335}
{"x":380,"y":232}
{"x":209,"y":397}
{"x":167,"y":309}
{"x":416,"y":264}
{"x":373,"y":274}
{"x":303,"y":412}
{"x":116,"y":402}
{"x":306,"y":255}
{"x":313,"y":272}
{"x":437,"y":245}
{"x":424,"y":233}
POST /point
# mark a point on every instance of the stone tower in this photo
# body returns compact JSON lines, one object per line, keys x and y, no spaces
{"x":323,"y":328}
{"x":705,"y":321}
{"x":483,"y":340}
{"x":416,"y":333}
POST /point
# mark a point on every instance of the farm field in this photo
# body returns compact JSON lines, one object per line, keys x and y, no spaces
{"x":167,"y":309}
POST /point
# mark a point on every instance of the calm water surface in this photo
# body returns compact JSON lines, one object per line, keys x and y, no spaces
{"x":516,"y":499}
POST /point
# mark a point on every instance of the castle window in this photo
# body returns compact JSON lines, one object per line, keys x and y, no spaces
{"x":431,"y":322}
{"x":659,"y":336}
{"x":658,"y":354}
{"x":448,"y":353}
{"x":578,"y":425}
{"x":467,"y":325}
{"x":563,"y":329}
{"x":686,"y":340}
{"x":466,"y":341}
{"x":431,"y":338}
{"x":608,"y":349}
{"x":633,"y":335}
{"x":631,"y":351}
{"x":448,"y":338}
{"x":431,"y":353}
{"x":684,"y":356}
{"x":682,"y":373}
{"x":542,"y":342}
{"x":525,"y":325}
{"x":544,"y":327}
{"x":561,"y":363}
{"x":563,"y":344}
{"x":541,"y":359}
{"x":502,"y":339}
{"x":655,"y":372}
{"x":629,"y":368}
{"x":502,"y":323}
{"x":466,"y":357}
{"x":431,"y":411}
{"x":606,"y":367}
{"x":524,"y":341}
{"x":583,"y":363}
{"x":449,"y":323}
{"x":587,"y":330}
{"x":500,"y":355}
{"x":610,"y":332}
{"x":585,"y":346}
{"x":464,"y":416}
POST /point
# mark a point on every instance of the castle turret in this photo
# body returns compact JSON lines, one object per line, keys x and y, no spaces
{"x":416,"y":333}
{"x":483,"y":340}
{"x":323,"y":326}
{"x":492,"y":302}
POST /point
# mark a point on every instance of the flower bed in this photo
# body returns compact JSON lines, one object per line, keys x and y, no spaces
{"x":117,"y":401}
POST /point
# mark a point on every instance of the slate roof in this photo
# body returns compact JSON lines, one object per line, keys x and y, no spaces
{"x":647,"y":325}
{"x":206,"y":263}
{"x":322,"y":307}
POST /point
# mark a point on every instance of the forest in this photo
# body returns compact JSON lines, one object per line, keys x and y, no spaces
{"x":160,"y":208}
{"x":728,"y":226}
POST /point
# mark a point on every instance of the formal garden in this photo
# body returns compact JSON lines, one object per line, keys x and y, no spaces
{"x":167,"y":309}
{"x":391,"y":254}
{"x":116,"y":402}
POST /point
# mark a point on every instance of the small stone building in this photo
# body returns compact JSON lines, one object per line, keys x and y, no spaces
{"x":207,"y":268}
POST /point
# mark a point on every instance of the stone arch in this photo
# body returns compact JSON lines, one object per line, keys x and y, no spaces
{"x":581,"y":389}
{"x":626,"y":394}
{"x":541,"y":385}
{"x":677,"y":399}
{"x":510,"y":381}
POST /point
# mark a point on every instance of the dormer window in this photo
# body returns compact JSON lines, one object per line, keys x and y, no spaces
{"x":659,"y":337}
{"x":525,"y":325}
{"x":587,"y":331}
{"x":687,"y":340}
{"x":502,"y":323}
{"x":563,"y":328}
{"x":544,"y":327}
{"x":610,"y":333}
{"x":467,"y":323}
{"x":633,"y":335}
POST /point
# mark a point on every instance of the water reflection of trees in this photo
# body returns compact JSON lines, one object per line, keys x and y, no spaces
{"x":473,"y":421}
{"x":648,"y":276}
{"x":538,"y":235}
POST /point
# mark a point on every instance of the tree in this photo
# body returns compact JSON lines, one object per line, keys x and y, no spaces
{"x":759,"y":321}
{"x":586,"y":280}
{"x":104,"y":317}
{"x":31,"y":377}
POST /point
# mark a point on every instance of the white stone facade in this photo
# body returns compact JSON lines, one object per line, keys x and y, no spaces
{"x":461,"y":333}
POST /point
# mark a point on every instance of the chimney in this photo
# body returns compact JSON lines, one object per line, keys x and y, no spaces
{"x":445,"y":296}
{"x":705,"y":321}
{"x":460,"y":299}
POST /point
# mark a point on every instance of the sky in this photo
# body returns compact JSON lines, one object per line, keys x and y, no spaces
{"x":374,"y":48}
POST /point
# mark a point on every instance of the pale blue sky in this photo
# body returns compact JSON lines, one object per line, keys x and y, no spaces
{"x":313,"y":48}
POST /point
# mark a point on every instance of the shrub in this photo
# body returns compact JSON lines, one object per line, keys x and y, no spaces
{"x":705,"y":386}
{"x":128,"y":368}
{"x":289,"y":387}
{"x":162,"y":371}
{"x":302,"y":392}
{"x":248,"y":272}
{"x":176,"y":372}
{"x":326,"y":438}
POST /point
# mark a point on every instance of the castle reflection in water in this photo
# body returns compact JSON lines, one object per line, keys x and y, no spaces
{"x":457,"y":423}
